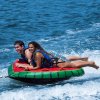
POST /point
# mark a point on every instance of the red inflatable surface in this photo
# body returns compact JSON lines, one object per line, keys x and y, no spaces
{"x":54,"y":68}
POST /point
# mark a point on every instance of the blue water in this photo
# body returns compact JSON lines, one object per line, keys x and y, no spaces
{"x":65,"y":27}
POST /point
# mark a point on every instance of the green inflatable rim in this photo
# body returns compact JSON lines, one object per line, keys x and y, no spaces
{"x":45,"y":75}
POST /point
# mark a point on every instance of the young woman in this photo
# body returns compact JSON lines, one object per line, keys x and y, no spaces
{"x":42,"y":59}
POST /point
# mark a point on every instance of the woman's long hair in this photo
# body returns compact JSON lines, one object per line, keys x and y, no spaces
{"x":37,"y":46}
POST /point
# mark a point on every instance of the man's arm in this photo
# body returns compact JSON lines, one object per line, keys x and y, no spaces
{"x":28,"y":55}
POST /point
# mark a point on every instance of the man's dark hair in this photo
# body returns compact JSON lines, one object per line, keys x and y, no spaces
{"x":19,"y":42}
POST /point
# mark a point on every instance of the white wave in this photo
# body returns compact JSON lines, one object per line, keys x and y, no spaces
{"x":94,"y":27}
{"x":4,"y":50}
{"x":71,"y":32}
{"x":3,"y":72}
{"x":86,"y":91}
{"x":51,"y":39}
{"x":94,"y":55}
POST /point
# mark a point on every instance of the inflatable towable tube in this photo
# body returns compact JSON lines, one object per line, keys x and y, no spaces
{"x":43,"y":75}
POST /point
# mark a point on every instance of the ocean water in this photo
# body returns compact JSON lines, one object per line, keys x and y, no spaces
{"x":64,"y":27}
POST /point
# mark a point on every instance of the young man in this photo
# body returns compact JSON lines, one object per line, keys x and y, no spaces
{"x":24,"y":52}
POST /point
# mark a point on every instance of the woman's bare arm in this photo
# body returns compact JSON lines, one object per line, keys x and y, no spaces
{"x":38,"y":59}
